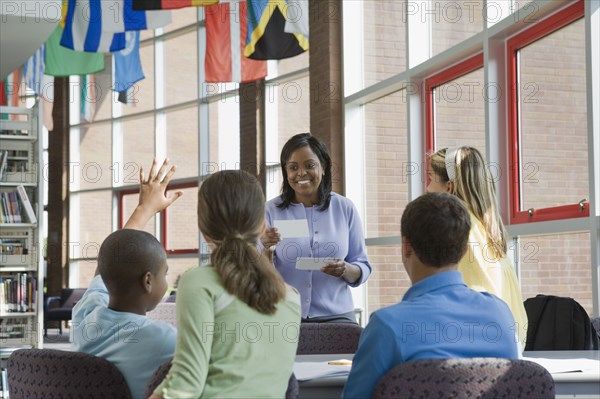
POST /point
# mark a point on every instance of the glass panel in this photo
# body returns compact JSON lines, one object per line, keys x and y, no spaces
{"x":181,"y":68}
{"x":292,"y":64}
{"x":291,"y":101}
{"x":388,"y":282}
{"x":182,"y":141}
{"x":93,"y":220}
{"x":554,"y":119}
{"x":104,"y":85}
{"x":384,"y":39}
{"x":451,"y":21}
{"x":138,"y":149}
{"x":182,"y":17}
{"x":178,"y":266}
{"x":143,"y":92}
{"x":224,"y":118}
{"x":129,"y":202}
{"x":182,"y":227}
{"x":557,"y":264}
{"x":386,"y":159}
{"x":386,"y":187}
{"x":86,"y":271}
{"x":460,"y":112}
{"x":95,"y":149}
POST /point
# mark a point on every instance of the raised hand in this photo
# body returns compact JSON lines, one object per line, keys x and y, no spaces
{"x":153,"y":196}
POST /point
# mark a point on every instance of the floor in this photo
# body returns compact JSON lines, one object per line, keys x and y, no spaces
{"x":54,"y":340}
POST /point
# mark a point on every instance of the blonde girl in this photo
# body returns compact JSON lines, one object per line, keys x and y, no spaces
{"x":462,"y":171}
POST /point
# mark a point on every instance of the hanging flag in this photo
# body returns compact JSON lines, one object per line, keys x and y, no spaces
{"x":170,"y":4}
{"x":128,"y":68}
{"x":266,"y":38}
{"x":88,"y":97}
{"x":127,"y":97}
{"x":9,"y":91}
{"x":226,"y":29}
{"x":296,"y":20}
{"x":34,"y":70}
{"x":85,"y":30}
{"x":41,"y":84}
{"x":119,"y":16}
{"x":61,"y":61}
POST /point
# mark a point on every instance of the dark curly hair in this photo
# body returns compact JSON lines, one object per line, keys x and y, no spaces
{"x":320,"y":149}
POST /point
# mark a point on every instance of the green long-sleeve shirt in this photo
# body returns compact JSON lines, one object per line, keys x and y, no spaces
{"x":225,"y":348}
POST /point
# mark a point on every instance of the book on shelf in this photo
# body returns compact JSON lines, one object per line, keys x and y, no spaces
{"x":17,"y":293}
{"x":29,"y":213}
{"x":3,"y":162}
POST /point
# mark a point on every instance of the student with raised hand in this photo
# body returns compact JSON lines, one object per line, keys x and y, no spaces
{"x":462,"y":171}
{"x":237,"y":320}
{"x":334,"y":231}
{"x":439,"y":316}
{"x":110,"y":319}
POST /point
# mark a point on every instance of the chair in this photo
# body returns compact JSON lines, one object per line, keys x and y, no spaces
{"x":66,"y":301}
{"x":292,"y":392}
{"x":482,"y":378}
{"x":328,"y":338}
{"x":164,"y":311}
{"x":596,"y":323}
{"x":50,"y":373}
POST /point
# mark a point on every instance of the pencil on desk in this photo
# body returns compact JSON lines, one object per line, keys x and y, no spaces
{"x":340,"y":363}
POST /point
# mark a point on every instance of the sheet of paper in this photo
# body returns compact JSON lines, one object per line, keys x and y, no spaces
{"x":555,"y":366}
{"x":305,"y":371}
{"x":292,"y":228}
{"x":312,"y":263}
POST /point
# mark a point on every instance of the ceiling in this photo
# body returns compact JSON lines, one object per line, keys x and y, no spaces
{"x":24,"y":27}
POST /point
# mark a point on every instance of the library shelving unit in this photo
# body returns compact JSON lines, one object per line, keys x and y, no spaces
{"x":21,"y":207}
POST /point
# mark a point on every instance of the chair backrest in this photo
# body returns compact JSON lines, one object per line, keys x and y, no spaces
{"x":556,"y":323}
{"x":483,"y":378}
{"x":596,"y":323}
{"x":50,"y":373}
{"x":164,"y":311}
{"x":328,"y":338}
{"x":292,"y":392}
{"x":70,"y":296}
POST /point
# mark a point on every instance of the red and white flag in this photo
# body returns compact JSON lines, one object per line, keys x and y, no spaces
{"x":226,"y":29}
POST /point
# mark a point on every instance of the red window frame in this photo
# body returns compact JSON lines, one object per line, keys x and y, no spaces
{"x":164,"y":217}
{"x":545,"y":27}
{"x":456,"y":71}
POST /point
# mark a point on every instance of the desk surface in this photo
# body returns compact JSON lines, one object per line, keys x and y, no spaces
{"x":584,"y":384}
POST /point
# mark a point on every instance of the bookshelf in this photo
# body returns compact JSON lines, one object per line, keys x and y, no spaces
{"x":21,"y":210}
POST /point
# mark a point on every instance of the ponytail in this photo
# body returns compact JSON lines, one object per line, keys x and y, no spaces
{"x":248,"y":275}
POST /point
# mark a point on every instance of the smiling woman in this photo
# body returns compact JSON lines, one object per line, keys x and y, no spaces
{"x":334,"y":232}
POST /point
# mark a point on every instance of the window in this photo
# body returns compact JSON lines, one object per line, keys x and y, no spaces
{"x":180,"y":229}
{"x":548,"y":119}
{"x":455,"y":106}
{"x":386,"y":190}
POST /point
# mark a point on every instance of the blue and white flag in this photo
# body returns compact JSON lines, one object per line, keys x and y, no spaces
{"x":34,"y":70}
{"x":119,"y":16}
{"x":128,"y":68}
{"x":85,"y":27}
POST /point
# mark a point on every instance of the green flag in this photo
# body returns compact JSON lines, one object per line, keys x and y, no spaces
{"x":61,"y":61}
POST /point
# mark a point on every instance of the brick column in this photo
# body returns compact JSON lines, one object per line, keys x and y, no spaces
{"x":252,"y":129}
{"x":58,"y":191}
{"x":326,"y":82}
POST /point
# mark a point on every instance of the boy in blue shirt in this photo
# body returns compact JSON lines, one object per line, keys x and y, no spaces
{"x":110,"y":320}
{"x":439,"y":316}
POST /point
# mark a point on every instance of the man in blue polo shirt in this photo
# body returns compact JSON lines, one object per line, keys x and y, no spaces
{"x":439,"y":317}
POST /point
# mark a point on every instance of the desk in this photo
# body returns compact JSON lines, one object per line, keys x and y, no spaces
{"x":584,"y":385}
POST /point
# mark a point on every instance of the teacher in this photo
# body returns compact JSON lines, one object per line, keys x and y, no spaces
{"x":334,"y":232}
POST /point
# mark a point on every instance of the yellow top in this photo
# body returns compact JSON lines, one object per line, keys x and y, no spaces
{"x":483,"y":271}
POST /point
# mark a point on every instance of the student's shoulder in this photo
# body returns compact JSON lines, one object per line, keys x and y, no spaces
{"x":200,"y":279}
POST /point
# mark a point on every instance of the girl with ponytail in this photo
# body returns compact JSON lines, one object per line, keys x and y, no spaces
{"x":237,"y":320}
